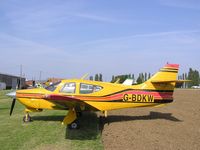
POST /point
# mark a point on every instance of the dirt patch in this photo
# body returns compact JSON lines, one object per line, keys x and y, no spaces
{"x":174,"y":126}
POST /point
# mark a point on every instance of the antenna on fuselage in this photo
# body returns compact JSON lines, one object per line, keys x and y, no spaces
{"x":84,"y":76}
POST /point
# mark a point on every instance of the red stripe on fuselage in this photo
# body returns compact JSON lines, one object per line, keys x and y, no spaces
{"x":157,"y":95}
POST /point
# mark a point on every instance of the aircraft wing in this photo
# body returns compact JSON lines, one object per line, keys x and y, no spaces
{"x":67,"y":101}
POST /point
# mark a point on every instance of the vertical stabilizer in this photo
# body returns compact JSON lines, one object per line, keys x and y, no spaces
{"x":164,"y":79}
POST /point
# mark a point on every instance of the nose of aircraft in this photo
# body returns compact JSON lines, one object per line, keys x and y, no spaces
{"x":12,"y":94}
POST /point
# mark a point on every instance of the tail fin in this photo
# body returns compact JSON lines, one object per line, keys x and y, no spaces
{"x":165,"y":79}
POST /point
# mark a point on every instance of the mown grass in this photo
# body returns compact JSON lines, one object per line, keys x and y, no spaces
{"x":45,"y":131}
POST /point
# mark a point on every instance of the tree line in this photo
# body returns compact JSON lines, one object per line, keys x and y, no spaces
{"x":97,"y":77}
{"x":192,"y":75}
{"x":121,"y":78}
{"x":142,"y":77}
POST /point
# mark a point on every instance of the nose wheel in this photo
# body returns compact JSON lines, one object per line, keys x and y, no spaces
{"x":27,"y":118}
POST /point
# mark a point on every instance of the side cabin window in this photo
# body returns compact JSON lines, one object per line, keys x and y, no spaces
{"x":69,"y":88}
{"x":89,"y":88}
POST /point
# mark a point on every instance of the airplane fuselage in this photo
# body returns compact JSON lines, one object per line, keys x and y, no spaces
{"x":110,"y":96}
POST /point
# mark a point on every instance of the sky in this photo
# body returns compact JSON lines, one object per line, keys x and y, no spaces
{"x":69,"y":38}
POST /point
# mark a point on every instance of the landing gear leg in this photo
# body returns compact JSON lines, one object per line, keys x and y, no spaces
{"x":71,"y":119}
{"x":105,"y":113}
{"x":103,"y":119}
{"x":27,"y":118}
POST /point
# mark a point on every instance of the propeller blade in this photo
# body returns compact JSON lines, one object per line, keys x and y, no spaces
{"x":12,"y":106}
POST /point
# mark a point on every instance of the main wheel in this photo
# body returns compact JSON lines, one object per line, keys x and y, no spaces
{"x":27,"y":118}
{"x":74,"y":125}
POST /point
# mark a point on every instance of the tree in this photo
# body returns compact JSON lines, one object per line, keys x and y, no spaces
{"x":149,"y":76}
{"x":122,"y":78}
{"x":139,"y":79}
{"x":142,"y":77}
{"x":190,"y":77}
{"x":113,"y":79}
{"x":145,"y":76}
{"x":193,"y":75}
{"x":100,"y":77}
{"x":133,"y":77}
{"x":196,"y":78}
{"x":96,"y":78}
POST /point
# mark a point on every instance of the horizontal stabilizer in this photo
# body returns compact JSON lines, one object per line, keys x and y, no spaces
{"x":169,"y":81}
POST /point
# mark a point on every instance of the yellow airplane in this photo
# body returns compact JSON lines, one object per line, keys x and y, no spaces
{"x":77,"y":95}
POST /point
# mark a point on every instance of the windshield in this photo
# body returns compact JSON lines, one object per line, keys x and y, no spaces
{"x":69,"y":88}
{"x":53,"y":86}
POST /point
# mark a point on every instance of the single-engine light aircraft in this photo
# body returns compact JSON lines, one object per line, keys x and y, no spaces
{"x":77,"y":95}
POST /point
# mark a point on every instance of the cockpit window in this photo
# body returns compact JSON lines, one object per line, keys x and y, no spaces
{"x":89,"y":88}
{"x":53,"y":86}
{"x":69,"y":88}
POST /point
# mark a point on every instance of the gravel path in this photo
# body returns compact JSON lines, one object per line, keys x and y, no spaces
{"x":175,"y":126}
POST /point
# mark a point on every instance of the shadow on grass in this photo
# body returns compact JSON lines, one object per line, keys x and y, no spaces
{"x":5,"y":108}
{"x":89,"y":128}
{"x":152,"y":116}
{"x":48,"y":118}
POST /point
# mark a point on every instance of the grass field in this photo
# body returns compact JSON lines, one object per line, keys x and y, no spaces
{"x":45,"y":131}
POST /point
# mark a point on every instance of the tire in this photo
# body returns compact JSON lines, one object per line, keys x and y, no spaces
{"x":74,"y":125}
{"x":28,"y":119}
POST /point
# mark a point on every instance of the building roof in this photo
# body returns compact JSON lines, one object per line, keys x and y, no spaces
{"x":11,"y":75}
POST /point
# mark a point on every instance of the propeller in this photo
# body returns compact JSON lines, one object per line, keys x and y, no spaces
{"x":13,"y":95}
{"x":12,"y":106}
